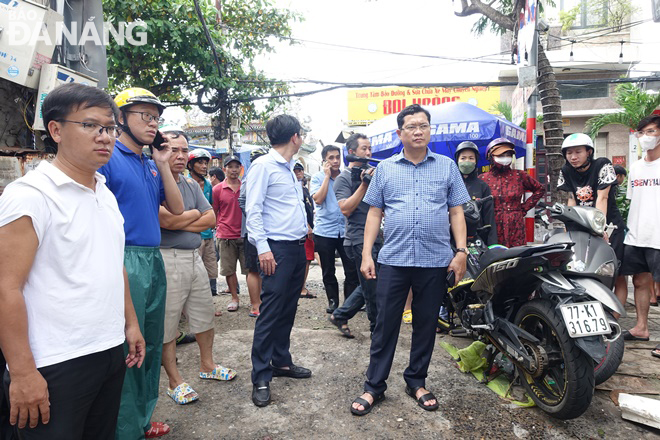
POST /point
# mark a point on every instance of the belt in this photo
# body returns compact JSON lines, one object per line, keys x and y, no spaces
{"x":299,"y":242}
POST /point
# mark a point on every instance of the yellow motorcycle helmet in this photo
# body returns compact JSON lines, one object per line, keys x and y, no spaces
{"x":137,"y":95}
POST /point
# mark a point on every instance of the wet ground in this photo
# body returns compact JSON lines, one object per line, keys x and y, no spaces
{"x":318,"y":408}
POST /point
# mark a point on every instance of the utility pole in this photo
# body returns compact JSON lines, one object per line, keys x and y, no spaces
{"x":530,"y":151}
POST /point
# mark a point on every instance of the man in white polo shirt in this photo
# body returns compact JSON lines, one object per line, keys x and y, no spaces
{"x":65,"y":305}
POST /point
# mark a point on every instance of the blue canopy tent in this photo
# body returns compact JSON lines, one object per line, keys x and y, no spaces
{"x":451,"y":124}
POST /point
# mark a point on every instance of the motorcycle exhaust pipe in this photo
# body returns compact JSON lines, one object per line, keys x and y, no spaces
{"x":617,"y":331}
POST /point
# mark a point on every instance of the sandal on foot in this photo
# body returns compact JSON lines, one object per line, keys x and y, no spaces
{"x":367,"y":406}
{"x":182,"y":394}
{"x":656,"y":351}
{"x":253,"y":314}
{"x":185,"y":338}
{"x":340,"y":325}
{"x":305,"y":294}
{"x":232,"y":306}
{"x":407,"y":316}
{"x":157,"y":429}
{"x":412,"y":392}
{"x":219,"y":373}
{"x":627,"y":336}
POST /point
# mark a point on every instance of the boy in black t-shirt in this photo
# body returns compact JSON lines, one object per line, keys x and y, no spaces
{"x":592,"y":182}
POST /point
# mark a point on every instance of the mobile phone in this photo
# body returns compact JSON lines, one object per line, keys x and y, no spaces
{"x":451,"y":278}
{"x":158,"y":142}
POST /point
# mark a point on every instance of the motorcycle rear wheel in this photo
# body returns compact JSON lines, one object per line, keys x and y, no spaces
{"x":610,"y":363}
{"x":565,"y":385}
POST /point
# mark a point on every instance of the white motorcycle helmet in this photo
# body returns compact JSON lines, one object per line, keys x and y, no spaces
{"x":579,"y":140}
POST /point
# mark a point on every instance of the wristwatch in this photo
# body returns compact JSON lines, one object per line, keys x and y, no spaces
{"x":464,"y":250}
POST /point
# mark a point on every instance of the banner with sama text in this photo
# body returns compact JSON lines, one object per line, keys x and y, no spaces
{"x":368,"y":105}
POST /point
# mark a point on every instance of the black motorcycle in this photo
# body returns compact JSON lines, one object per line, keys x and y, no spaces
{"x":547,"y":325}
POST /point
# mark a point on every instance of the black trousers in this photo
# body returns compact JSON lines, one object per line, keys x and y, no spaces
{"x":84,"y":396}
{"x":279,"y":303}
{"x":429,"y":287}
{"x":326,"y":248}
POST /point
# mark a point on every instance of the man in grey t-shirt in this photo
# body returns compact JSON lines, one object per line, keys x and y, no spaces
{"x":349,"y":192}
{"x":188,"y":290}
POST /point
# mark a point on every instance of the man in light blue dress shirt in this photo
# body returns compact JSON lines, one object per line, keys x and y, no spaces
{"x":421,"y":194}
{"x":277,"y":226}
{"x":330,"y":227}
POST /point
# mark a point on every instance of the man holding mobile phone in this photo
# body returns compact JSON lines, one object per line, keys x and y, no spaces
{"x":421,"y":194}
{"x":141,"y":185}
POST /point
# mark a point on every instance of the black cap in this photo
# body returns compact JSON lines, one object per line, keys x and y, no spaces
{"x":229,"y":159}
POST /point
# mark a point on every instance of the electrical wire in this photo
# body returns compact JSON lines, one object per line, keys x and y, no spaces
{"x":613,"y":29}
{"x":575,"y":82}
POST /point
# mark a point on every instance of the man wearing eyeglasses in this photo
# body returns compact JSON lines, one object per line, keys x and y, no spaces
{"x":65,"y":306}
{"x":141,"y":186}
{"x":421,"y":194}
{"x":642,"y":243}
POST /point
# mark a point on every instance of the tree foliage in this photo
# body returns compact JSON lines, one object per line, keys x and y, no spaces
{"x":610,"y":13}
{"x":177,"y":62}
{"x":635,"y":105}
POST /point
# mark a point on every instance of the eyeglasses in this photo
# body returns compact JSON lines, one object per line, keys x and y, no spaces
{"x":414,"y":128}
{"x":147,"y":117}
{"x":649,"y":132}
{"x":96,"y":129}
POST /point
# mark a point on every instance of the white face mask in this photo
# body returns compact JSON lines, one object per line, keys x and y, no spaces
{"x":648,"y":142}
{"x":503,"y":160}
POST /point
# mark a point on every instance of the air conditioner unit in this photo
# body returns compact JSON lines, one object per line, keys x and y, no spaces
{"x":52,"y":76}
{"x":28,"y":34}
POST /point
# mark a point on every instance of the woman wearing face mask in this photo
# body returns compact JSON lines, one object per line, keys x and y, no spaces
{"x":508,"y":187}
{"x":467,"y":155}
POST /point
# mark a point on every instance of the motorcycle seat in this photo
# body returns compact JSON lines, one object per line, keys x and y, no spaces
{"x":498,"y":254}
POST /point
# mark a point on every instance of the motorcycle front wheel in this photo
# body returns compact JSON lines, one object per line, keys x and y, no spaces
{"x":563,"y":383}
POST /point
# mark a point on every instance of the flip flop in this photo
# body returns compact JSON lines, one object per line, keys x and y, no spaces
{"x":627,"y":336}
{"x":307,"y":294}
{"x":219,"y":373}
{"x":656,"y":351}
{"x":253,"y":314}
{"x":180,"y":393}
{"x":232,"y":306}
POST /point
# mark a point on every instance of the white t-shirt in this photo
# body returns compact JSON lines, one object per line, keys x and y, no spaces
{"x":74,"y":292}
{"x":644,"y":195}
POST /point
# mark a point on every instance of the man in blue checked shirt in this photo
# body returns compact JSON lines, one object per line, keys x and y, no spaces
{"x":421,"y":194}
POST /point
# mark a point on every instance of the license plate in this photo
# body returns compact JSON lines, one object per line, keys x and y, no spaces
{"x":585,"y":319}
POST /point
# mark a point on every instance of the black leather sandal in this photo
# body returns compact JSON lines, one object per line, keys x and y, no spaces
{"x":367,"y":406}
{"x":412,"y":392}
